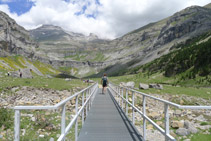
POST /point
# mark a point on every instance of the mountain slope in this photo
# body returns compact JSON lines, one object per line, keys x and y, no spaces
{"x":194,"y":56}
{"x":90,"y":55}
{"x":137,"y":47}
{"x":64,"y":45}
{"x":156,"y":39}
{"x":14,"y":39}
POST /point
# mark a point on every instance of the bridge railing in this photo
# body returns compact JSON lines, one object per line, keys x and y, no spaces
{"x":87,"y":98}
{"x":122,"y":94}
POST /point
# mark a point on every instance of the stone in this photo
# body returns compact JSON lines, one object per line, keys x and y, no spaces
{"x":122,"y":84}
{"x":143,"y":86}
{"x":178,"y":112}
{"x":192,"y":129}
{"x":14,"y":89}
{"x":153,"y":115}
{"x":91,"y":81}
{"x":159,"y":123}
{"x":200,"y":118}
{"x":33,"y":119}
{"x":67,"y":79}
{"x":23,"y":131}
{"x":58,"y":135}
{"x":51,"y":139}
{"x":149,"y":126}
{"x":41,"y":136}
{"x":1,"y":136}
{"x":177,"y":124}
{"x":182,"y":132}
{"x":130,"y":84}
{"x":181,"y":102}
{"x":186,"y":124}
{"x":156,"y":86}
{"x":173,"y":134}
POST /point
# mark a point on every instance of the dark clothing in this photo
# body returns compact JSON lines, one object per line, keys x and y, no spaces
{"x":105,"y":81}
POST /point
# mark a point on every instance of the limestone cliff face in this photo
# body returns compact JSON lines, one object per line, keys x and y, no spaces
{"x":139,"y":46}
{"x":155,"y":39}
{"x":14,"y":39}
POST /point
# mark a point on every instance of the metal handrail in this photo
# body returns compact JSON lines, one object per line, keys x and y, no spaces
{"x":120,"y":93}
{"x":90,"y":94}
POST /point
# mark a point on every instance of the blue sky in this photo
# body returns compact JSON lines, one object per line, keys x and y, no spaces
{"x":22,"y":6}
{"x":105,"y":18}
{"x":18,"y":6}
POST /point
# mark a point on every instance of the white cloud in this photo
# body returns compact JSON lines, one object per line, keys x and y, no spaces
{"x":113,"y":18}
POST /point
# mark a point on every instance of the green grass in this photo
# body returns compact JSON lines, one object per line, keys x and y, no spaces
{"x":99,"y":57}
{"x":16,"y":62}
{"x":41,"y":82}
{"x":44,"y":68}
{"x":201,"y":137}
{"x":205,"y":123}
{"x":167,"y":84}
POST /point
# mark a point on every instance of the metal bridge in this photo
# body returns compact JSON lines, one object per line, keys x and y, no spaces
{"x":105,"y":117}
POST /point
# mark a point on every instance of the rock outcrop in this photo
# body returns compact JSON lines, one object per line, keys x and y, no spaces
{"x":14,"y":39}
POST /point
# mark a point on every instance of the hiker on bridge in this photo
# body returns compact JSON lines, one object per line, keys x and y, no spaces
{"x":104,"y":82}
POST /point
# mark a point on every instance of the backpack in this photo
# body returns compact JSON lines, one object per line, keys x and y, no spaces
{"x":104,"y":80}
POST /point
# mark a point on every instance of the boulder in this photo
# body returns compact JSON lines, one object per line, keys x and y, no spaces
{"x":190,"y":126}
{"x":149,"y":126}
{"x":154,"y":115}
{"x":156,"y":86}
{"x":130,"y":84}
{"x":26,"y":73}
{"x":192,"y":130}
{"x":187,"y":124}
{"x":178,"y":113}
{"x":67,"y":79}
{"x":41,"y":136}
{"x":182,"y":132}
{"x":14,"y":89}
{"x":51,"y":139}
{"x":177,"y":124}
{"x":143,"y":86}
{"x":122,"y":84}
{"x":91,"y":81}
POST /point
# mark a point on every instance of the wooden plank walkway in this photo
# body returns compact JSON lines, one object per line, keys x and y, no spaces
{"x":107,"y":122}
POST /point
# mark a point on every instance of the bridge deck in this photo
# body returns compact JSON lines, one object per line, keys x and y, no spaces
{"x":107,"y":122}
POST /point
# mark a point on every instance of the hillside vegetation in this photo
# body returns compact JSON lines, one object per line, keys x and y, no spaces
{"x":189,"y":61}
{"x":14,"y":63}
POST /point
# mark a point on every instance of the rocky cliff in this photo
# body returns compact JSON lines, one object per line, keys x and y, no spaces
{"x":14,"y":39}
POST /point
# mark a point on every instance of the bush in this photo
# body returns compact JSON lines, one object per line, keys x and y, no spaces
{"x":6,"y":119}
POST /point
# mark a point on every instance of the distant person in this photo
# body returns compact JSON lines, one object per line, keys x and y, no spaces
{"x":20,"y":73}
{"x":104,"y":82}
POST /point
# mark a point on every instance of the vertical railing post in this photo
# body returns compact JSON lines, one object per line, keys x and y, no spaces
{"x":126,"y":102}
{"x":133,"y":101}
{"x":166,"y":121}
{"x":122,"y":98}
{"x":144,"y":114}
{"x":76,"y":122}
{"x":118,"y":95}
{"x":17,"y":125}
{"x":87,"y":103}
{"x":83,"y":109}
{"x":89,"y":99}
{"x":63,"y":120}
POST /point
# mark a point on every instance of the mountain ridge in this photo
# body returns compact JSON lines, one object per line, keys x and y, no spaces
{"x":66,"y":49}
